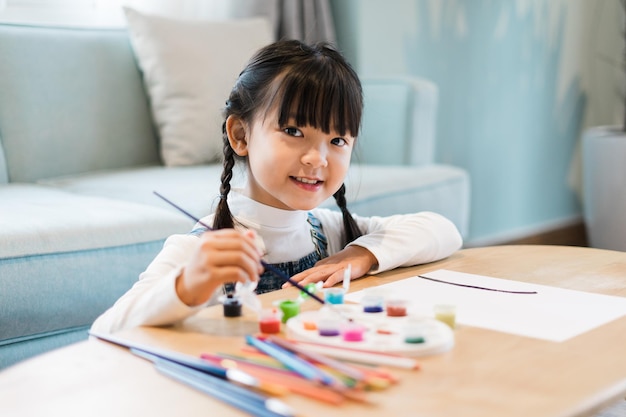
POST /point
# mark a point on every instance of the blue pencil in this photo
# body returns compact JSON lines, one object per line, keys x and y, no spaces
{"x":292,"y":361}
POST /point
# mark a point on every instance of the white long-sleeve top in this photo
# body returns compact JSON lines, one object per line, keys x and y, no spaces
{"x":284,"y":235}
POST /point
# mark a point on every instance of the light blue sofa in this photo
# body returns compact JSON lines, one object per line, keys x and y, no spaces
{"x":79,"y":160}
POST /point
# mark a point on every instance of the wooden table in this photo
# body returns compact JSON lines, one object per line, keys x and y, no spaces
{"x":486,"y":374}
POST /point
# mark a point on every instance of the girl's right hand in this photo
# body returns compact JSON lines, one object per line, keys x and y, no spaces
{"x":224,"y":255}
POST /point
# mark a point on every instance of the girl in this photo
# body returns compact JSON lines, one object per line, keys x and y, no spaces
{"x":293,"y":117}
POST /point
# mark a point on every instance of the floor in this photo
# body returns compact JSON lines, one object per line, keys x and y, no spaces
{"x":572,"y":235}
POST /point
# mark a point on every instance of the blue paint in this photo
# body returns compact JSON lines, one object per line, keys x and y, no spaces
{"x":334,"y":295}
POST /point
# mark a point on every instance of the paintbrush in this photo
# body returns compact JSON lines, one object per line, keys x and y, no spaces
{"x":267,"y":266}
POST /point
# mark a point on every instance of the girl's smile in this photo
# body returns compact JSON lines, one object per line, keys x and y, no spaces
{"x":308,"y":184}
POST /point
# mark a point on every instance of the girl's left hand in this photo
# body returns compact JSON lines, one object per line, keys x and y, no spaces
{"x":330,"y":270}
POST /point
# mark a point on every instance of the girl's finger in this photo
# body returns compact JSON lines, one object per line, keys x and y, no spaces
{"x":334,"y":278}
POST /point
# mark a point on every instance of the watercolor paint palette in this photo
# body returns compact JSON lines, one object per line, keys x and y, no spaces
{"x":376,"y":332}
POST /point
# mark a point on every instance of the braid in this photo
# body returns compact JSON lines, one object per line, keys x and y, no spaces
{"x":223,"y":217}
{"x":349,"y":224}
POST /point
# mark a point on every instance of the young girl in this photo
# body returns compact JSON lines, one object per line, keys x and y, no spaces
{"x":292,"y":117}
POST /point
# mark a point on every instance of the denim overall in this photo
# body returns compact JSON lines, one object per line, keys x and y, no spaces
{"x":269,"y":281}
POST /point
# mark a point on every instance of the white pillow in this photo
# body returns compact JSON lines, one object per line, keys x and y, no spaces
{"x":189,"y":68}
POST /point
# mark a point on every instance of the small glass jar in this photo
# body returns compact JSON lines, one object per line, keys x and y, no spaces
{"x":270,"y":321}
{"x":334,"y":295}
{"x":232,"y":305}
{"x":373,"y":304}
{"x":396,"y":308}
{"x":446,"y":313}
{"x":328,"y":326}
{"x":289,"y":308}
{"x":352,"y":332}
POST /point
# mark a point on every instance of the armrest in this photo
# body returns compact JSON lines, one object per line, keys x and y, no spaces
{"x":398,"y":121}
{"x":4,"y":175}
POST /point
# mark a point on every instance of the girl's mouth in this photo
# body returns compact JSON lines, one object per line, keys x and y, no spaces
{"x":306,"y":180}
{"x":307,"y":184}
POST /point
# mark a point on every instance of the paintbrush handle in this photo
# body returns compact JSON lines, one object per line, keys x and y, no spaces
{"x":285,"y":278}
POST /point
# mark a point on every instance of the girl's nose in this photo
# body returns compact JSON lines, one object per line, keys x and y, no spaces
{"x":315,"y":157}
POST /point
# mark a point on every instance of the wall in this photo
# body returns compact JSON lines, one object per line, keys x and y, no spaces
{"x":518,"y":80}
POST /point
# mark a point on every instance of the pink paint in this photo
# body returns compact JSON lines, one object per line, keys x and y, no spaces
{"x":352,"y":332}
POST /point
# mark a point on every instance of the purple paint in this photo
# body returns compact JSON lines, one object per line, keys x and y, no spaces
{"x":329,"y":332}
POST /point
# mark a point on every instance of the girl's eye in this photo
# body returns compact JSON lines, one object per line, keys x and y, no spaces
{"x":293,"y":131}
{"x":339,"y":141}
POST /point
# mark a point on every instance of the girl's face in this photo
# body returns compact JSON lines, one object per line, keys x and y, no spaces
{"x":291,"y":167}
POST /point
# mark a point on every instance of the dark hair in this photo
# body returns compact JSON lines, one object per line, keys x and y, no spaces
{"x":312,"y":83}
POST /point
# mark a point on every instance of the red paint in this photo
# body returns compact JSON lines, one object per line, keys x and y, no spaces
{"x":396,"y":311}
{"x":269,"y":325}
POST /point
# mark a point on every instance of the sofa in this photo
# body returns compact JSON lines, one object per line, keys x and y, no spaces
{"x":81,"y":153}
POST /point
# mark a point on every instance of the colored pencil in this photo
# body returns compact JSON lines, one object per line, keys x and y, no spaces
{"x":377,"y":378}
{"x":222,"y":390}
{"x":155,"y":354}
{"x":232,"y":375}
{"x":314,"y":356}
{"x":291,"y":361}
{"x":289,"y":380}
{"x":361,"y":356}
{"x":259,"y":358}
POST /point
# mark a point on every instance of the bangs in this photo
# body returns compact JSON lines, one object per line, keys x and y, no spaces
{"x":318,"y":95}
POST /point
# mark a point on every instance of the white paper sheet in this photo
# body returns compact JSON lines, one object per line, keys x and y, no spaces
{"x":554,"y":314}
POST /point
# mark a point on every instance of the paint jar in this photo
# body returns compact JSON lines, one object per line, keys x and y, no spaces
{"x":372,"y":303}
{"x":446,"y":313}
{"x":414,"y":333}
{"x":328,"y":326}
{"x":396,"y":307}
{"x":289,"y":308}
{"x":270,"y":321}
{"x":232,"y":305}
{"x":310,"y":287}
{"x":334,"y":295}
{"x":352,"y":332}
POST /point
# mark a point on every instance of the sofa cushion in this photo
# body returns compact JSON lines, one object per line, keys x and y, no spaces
{"x":379,"y":190}
{"x":55,"y":293}
{"x":189,"y":74}
{"x":71,"y":101}
{"x":372,"y":190}
{"x":399,"y":117}
{"x":195,"y":188}
{"x":37,"y":220}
